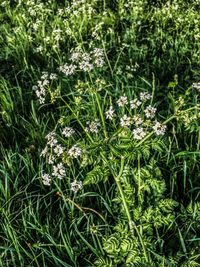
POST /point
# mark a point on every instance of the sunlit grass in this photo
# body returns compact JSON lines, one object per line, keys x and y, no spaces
{"x":126,"y":194}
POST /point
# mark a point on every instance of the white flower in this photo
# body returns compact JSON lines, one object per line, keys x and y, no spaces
{"x":137,"y":119}
{"x":99,"y":57}
{"x":196,"y":86}
{"x":39,"y":49}
{"x":59,"y":171}
{"x":145,"y":96}
{"x":44,"y":152}
{"x":51,"y":159}
{"x":68,"y":131}
{"x":93,"y":126}
{"x":75,"y":56}
{"x":125,"y":121}
{"x":51,"y":139}
{"x":139,"y":133}
{"x":110,"y":113}
{"x":46,"y":179}
{"x":76,"y":186}
{"x":99,"y":62}
{"x":86,"y":66}
{"x":122,"y":101}
{"x":150,"y":111}
{"x":68,"y":69}
{"x":135,"y":103}
{"x":58,"y":149}
{"x":98,"y":52}
{"x":159,"y":128}
{"x":75,"y":152}
{"x":53,"y":76}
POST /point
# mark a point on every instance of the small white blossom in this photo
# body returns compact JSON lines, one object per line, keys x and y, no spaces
{"x":75,"y":152}
{"x":58,"y":150}
{"x":68,"y":131}
{"x":93,"y":126}
{"x":86,"y":66}
{"x":98,"y":52}
{"x":150,"y":111}
{"x":39,"y":49}
{"x":51,"y":139}
{"x":53,"y":76}
{"x":196,"y":86}
{"x":68,"y":69}
{"x":137,"y":119}
{"x":122,"y":101}
{"x":135,"y":103}
{"x":51,"y":159}
{"x":59,"y":171}
{"x":46,"y":179}
{"x":139,"y":133}
{"x":99,"y":62}
{"x":145,"y":96}
{"x":44,"y":75}
{"x":44,"y":152}
{"x":110,"y":113}
{"x":159,"y":128}
{"x":125,"y":121}
{"x":75,"y":56}
{"x":76,"y":186}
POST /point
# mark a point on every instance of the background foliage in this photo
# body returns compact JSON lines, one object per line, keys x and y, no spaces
{"x":148,"y":46}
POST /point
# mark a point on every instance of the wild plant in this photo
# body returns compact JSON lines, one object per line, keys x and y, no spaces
{"x":105,"y":139}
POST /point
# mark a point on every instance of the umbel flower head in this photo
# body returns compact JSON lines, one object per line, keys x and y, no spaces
{"x":76,"y":186}
{"x":110,"y":113}
{"x":159,"y":128}
{"x":75,"y":152}
{"x":46,"y":179}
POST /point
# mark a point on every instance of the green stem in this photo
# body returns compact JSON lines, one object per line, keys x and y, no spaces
{"x":132,"y":224}
{"x":102,"y":116}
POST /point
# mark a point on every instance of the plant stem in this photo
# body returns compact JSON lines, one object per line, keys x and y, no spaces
{"x":101,"y":115}
{"x":132,"y":224}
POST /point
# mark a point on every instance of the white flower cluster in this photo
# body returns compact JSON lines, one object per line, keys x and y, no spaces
{"x":79,"y":8}
{"x":196,"y":86}
{"x":159,"y":129}
{"x":68,"y":131}
{"x":42,"y":84}
{"x":83,"y":61}
{"x":76,"y":186}
{"x":74,"y":152}
{"x":135,"y":103}
{"x":68,"y":69}
{"x":98,"y":57}
{"x":46,"y":179}
{"x":125,"y":121}
{"x":59,"y":171}
{"x":52,"y":147}
{"x":51,"y":139}
{"x":139,"y":133}
{"x":122,"y":101}
{"x":145,"y":96}
{"x":138,"y":119}
{"x":93,"y":126}
{"x":55,"y":153}
{"x":110,"y":113}
{"x":141,"y":126}
{"x":150,"y":111}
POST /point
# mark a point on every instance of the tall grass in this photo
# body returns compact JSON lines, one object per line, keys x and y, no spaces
{"x":122,"y":195}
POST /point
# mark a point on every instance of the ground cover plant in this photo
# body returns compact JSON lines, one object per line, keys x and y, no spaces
{"x":100,"y":134}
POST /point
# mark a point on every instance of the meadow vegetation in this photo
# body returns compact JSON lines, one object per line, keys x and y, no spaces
{"x":99,"y":133}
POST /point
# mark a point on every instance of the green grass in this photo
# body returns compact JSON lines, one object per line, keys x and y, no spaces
{"x":136,"y":201}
